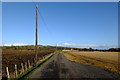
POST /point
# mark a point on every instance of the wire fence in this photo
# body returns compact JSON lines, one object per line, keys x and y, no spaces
{"x":25,"y":67}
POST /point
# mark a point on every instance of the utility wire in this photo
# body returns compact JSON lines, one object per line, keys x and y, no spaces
{"x":42,"y":19}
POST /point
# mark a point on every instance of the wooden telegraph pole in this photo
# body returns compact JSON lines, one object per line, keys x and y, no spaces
{"x":36,"y":34}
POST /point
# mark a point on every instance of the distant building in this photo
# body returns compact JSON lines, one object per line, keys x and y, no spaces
{"x":66,"y":50}
{"x":70,"y":50}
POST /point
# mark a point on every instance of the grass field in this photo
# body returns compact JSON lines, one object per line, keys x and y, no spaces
{"x":11,"y":57}
{"x":107,"y":60}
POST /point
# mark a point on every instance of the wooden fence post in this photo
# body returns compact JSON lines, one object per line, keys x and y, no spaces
{"x":8,"y":74}
{"x":16,"y":73}
{"x":34,"y":61}
{"x":43,"y":57}
{"x":29,"y":64}
{"x":26,"y":66}
{"x":22,"y":67}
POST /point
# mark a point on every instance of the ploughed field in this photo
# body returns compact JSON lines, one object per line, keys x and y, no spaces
{"x":107,"y":60}
{"x":12,"y":57}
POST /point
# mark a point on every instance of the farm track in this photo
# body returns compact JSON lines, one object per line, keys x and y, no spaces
{"x":60,"y":67}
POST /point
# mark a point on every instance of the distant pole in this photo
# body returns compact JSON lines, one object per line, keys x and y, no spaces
{"x":36,"y":42}
{"x":56,"y":47}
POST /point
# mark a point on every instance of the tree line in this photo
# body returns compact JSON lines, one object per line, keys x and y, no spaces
{"x":41,"y":47}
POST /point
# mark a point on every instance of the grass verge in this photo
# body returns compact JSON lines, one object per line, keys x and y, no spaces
{"x":28,"y":72}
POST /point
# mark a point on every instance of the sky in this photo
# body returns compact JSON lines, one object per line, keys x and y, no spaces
{"x":60,"y":0}
{"x":73,"y":24}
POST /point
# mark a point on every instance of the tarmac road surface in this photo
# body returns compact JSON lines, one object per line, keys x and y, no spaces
{"x":61,"y":68}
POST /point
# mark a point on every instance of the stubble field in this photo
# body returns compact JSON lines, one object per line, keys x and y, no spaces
{"x":107,"y":60}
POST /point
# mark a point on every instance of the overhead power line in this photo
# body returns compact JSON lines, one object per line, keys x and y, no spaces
{"x":42,"y":19}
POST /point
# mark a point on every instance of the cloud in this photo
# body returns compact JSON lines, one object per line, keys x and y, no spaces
{"x":102,"y":46}
{"x":14,"y":44}
{"x":87,"y":45}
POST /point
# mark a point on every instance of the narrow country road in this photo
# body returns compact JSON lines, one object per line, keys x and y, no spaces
{"x":59,"y":67}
